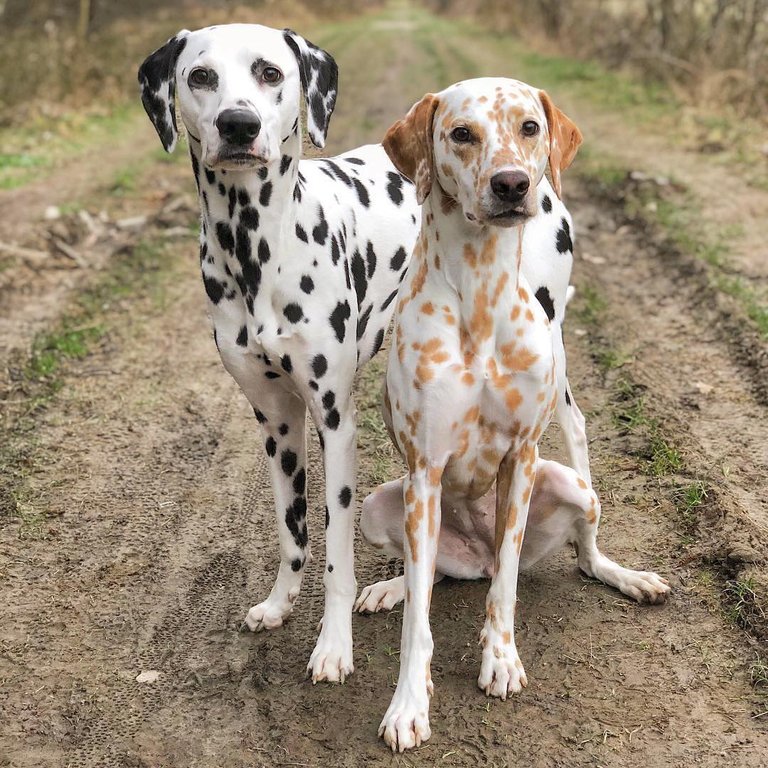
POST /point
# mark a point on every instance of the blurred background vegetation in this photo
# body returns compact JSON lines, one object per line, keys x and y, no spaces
{"x":713,"y":53}
{"x":59,"y":54}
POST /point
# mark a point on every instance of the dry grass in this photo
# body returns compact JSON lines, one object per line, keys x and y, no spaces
{"x":49,"y":69}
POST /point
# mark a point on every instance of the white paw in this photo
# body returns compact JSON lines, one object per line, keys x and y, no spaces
{"x":406,"y":723}
{"x":501,"y":671}
{"x":644,"y":586}
{"x":381,"y":596}
{"x":269,"y":615}
{"x":331,"y":659}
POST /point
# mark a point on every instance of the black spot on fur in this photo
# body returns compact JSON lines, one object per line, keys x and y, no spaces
{"x":395,"y":187}
{"x":272,"y":375}
{"x":249,"y":217}
{"x":320,"y":232}
{"x":285,"y":164}
{"x":285,"y":362}
{"x":398,"y":259}
{"x":264,"y":252}
{"x":300,"y":482}
{"x":567,"y":396}
{"x":338,"y":319}
{"x":329,"y":400}
{"x":345,"y":496}
{"x":307,"y":284}
{"x":296,"y":564}
{"x":327,"y":517}
{"x":319,"y":366}
{"x":564,"y":242}
{"x":546,"y":204}
{"x":271,"y":446}
{"x":288,"y":461}
{"x":333,"y":170}
{"x":232,"y":201}
{"x":335,"y":252}
{"x":546,"y":301}
{"x":210,"y":176}
{"x":213,"y":288}
{"x":362,"y":322}
{"x":330,"y":568}
{"x":224,"y":236}
{"x":283,"y":429}
{"x":389,"y":300}
{"x":370,"y":259}
{"x":266,"y":194}
{"x":332,"y":419}
{"x":354,"y":160}
{"x":359,"y":275}
{"x":378,"y":342}
{"x":362,"y":193}
{"x":242,"y":337}
{"x":260,"y":417}
{"x":293,"y":312}
{"x":300,"y":233}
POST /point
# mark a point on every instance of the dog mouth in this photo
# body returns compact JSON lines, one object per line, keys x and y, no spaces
{"x":510,"y":217}
{"x":237,"y":159}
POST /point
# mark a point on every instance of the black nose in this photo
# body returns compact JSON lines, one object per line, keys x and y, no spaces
{"x":510,"y":186}
{"x":238,"y":126}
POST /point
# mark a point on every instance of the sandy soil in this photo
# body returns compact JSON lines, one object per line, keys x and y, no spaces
{"x":156,"y":529}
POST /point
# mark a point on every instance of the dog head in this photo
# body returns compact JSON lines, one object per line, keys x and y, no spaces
{"x":486,"y":143}
{"x":238,"y":88}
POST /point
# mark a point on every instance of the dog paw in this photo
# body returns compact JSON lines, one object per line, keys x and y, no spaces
{"x":644,"y":586}
{"x":331,"y":660}
{"x":268,"y":615}
{"x":501,"y":671}
{"x":406,"y":723}
{"x":381,"y":596}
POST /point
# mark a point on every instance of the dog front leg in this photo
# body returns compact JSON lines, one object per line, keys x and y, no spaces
{"x":406,"y":722}
{"x":283,"y":420}
{"x":331,"y":659}
{"x":501,"y":671}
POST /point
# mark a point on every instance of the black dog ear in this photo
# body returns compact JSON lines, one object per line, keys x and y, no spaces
{"x":319,"y":80}
{"x":157,"y":79}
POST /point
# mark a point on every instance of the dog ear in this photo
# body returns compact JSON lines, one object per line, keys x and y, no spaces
{"x":564,"y":140}
{"x":319,"y":81}
{"x":157,"y":79}
{"x":409,"y":145}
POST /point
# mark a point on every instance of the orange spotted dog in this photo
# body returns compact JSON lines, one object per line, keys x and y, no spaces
{"x":472,"y":383}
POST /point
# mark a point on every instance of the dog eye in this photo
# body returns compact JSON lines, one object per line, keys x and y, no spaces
{"x":461,"y":135}
{"x":200,"y":77}
{"x":271,"y":75}
{"x":530,"y":128}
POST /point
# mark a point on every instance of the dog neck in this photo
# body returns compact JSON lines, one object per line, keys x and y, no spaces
{"x":269,"y":189}
{"x":480,"y":264}
{"x":247,"y":216}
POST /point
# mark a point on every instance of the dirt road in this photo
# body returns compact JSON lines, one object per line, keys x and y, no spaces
{"x":137,"y":528}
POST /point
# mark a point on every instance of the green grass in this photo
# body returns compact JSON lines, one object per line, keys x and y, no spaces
{"x":679,"y":218}
{"x":139,"y":272}
{"x":758,"y":672}
{"x":742,"y":606}
{"x":46,"y":143}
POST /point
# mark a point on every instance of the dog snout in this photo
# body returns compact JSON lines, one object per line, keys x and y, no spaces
{"x":510,"y":186}
{"x":238,"y":126}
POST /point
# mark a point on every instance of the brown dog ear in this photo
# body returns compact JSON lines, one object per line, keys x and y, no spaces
{"x":564,"y":140}
{"x":409,"y":145}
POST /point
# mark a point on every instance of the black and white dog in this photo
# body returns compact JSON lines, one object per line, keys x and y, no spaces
{"x":301,"y":262}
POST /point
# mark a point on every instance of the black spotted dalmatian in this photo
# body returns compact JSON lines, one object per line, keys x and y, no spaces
{"x":301,"y":261}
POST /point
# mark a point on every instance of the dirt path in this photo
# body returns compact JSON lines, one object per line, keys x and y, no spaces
{"x":154,"y":528}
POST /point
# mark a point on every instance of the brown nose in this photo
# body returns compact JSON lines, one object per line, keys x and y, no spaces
{"x":510,"y":186}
